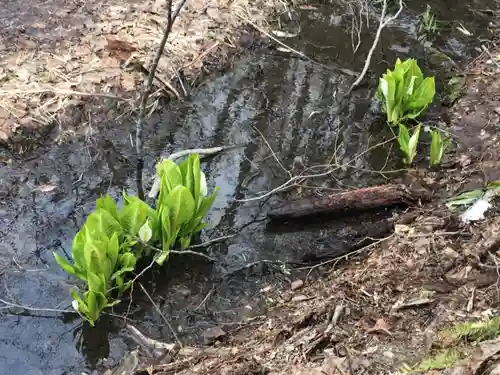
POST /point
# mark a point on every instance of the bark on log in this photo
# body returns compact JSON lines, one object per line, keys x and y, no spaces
{"x":354,"y":200}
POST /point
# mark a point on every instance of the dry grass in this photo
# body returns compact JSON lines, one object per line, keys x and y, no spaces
{"x":109,"y":53}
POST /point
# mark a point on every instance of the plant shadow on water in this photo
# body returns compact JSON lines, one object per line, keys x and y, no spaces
{"x":299,"y":108}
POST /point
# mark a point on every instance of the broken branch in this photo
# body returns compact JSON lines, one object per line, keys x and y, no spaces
{"x":383,"y":23}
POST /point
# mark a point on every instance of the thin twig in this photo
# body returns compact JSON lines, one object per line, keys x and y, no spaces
{"x":58,"y":91}
{"x":345,"y":256}
{"x":29,"y":308}
{"x":139,"y":147}
{"x":273,"y":153}
{"x":302,"y":176}
{"x":190,"y":252}
{"x":383,"y":23}
{"x":493,"y":59}
{"x":250,"y":22}
{"x":211,"y":242}
{"x":157,"y":347}
{"x":162,"y":316}
{"x":204,"y":299}
{"x":180,"y":252}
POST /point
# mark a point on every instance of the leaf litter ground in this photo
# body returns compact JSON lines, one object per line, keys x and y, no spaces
{"x":59,"y":59}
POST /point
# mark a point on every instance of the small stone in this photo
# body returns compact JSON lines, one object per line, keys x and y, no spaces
{"x":388,"y":354}
{"x":213,"y":334}
{"x":300,"y":298}
{"x":297,"y":284}
{"x":450,"y":253}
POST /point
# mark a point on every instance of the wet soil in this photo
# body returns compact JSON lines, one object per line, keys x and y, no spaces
{"x":298,"y":106}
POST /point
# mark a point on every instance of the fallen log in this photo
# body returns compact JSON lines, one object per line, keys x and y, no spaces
{"x":357,"y":200}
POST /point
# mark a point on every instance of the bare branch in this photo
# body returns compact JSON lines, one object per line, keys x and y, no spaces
{"x":383,"y":23}
{"x":139,"y":147}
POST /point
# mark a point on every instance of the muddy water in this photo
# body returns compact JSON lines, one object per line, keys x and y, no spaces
{"x":301,"y":110}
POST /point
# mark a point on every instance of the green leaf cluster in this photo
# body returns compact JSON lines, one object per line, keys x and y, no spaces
{"x":103,"y":254}
{"x":106,"y":249}
{"x":404,"y":92}
{"x":183,"y":202}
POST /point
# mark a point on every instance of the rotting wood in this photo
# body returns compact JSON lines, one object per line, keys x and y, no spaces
{"x":363,"y":199}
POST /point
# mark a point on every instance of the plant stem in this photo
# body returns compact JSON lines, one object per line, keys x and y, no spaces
{"x":139,"y":144}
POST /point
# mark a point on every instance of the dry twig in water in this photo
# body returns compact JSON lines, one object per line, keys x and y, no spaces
{"x":162,"y":316}
{"x":383,"y":23}
{"x":296,"y":179}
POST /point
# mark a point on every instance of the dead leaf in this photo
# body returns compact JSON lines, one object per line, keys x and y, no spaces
{"x":380,"y":327}
{"x":119,"y":49}
{"x":128,"y":81}
{"x":483,"y":353}
{"x":399,"y":305}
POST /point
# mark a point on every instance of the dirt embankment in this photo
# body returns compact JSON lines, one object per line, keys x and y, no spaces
{"x":66,"y":66}
{"x":384,"y":309}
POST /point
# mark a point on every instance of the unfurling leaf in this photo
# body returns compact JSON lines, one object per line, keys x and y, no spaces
{"x":437,"y":148}
{"x":170,"y":173}
{"x":413,"y":143}
{"x":145,"y":233}
{"x":465,"y":199}
{"x":407,"y":144}
{"x":63,"y":263}
{"x":404,"y":92}
{"x":163,"y":256}
{"x":107,"y":204}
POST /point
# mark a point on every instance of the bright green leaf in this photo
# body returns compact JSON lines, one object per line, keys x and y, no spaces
{"x":127,"y":260}
{"x":465,"y":199}
{"x":162,"y":257}
{"x":63,"y":263}
{"x":170,"y":173}
{"x":403,"y":138}
{"x":108,"y":204}
{"x":133,"y":216}
{"x":437,"y":148}
{"x":181,"y":205}
{"x":413,"y":143}
{"x":77,"y":249}
{"x":196,"y":171}
{"x":184,"y":242}
{"x":95,"y":283}
{"x":186,"y":168}
{"x":93,"y":307}
{"x":101,"y":222}
{"x":113,"y":249}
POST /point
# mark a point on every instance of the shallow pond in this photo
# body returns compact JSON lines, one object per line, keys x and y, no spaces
{"x":297,"y":105}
